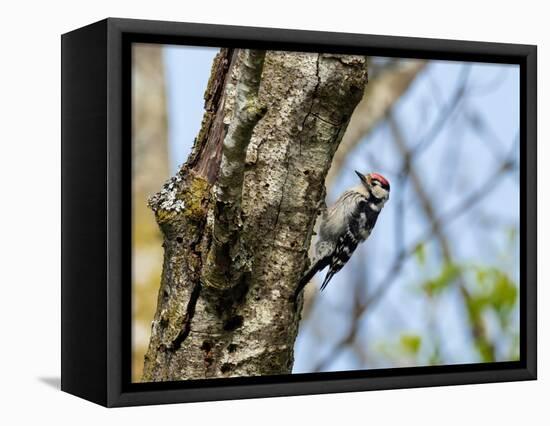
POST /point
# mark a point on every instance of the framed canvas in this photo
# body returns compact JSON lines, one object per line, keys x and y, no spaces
{"x":254,"y":212}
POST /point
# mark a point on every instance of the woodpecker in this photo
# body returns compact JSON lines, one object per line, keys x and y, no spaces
{"x":345,"y":225}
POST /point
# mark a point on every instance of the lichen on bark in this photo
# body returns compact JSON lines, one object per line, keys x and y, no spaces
{"x":247,"y":325}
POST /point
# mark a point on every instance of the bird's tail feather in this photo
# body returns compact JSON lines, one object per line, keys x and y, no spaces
{"x":316,"y":267}
{"x":327,"y":279}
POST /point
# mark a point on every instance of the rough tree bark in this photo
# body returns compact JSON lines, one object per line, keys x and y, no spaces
{"x":237,"y":218}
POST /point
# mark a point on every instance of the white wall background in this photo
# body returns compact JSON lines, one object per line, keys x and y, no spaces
{"x":30,"y":194}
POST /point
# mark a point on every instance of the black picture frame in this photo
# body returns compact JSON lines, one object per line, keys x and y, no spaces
{"x":96,"y":198}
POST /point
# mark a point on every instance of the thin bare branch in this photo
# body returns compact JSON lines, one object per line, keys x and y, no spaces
{"x":381,"y":94}
{"x":445,"y":114}
{"x":477,"y":326}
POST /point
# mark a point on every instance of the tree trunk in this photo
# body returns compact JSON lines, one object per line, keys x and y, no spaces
{"x":237,"y":218}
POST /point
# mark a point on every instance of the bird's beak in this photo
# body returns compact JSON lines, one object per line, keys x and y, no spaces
{"x":362,"y":177}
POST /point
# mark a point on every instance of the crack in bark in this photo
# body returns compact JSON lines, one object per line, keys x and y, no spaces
{"x":324,"y":120}
{"x":287,"y":161}
{"x":313,"y":97}
{"x":189,"y":314}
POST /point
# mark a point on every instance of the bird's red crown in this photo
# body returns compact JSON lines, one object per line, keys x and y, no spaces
{"x":381,"y":179}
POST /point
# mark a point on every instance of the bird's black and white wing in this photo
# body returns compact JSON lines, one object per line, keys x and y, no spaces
{"x":335,"y":219}
{"x":361,"y":220}
{"x":332,"y":227}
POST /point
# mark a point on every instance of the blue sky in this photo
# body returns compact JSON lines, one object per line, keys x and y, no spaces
{"x":187,"y":71}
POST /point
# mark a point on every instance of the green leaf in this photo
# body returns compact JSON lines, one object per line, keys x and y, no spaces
{"x":485,"y":350}
{"x":496,"y":290}
{"x":410,"y":343}
{"x":449,"y":272}
{"x":420,"y":254}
